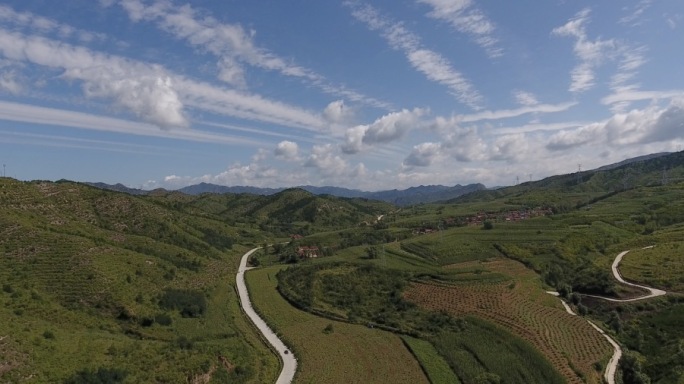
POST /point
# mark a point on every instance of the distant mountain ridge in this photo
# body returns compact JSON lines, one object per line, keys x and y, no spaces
{"x":422,"y":193}
{"x":413,"y":195}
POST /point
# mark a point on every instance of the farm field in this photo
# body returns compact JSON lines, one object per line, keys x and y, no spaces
{"x":330,"y":351}
{"x":436,"y":368}
{"x":661,"y":266}
{"x":569,"y":342}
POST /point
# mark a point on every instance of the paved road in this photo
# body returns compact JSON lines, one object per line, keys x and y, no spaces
{"x":289,"y":360}
{"x":652,"y":292}
{"x":611,"y":368}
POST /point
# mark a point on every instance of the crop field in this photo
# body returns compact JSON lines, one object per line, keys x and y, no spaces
{"x":479,"y":351}
{"x":436,"y":368}
{"x":330,"y":351}
{"x":569,"y":342}
{"x":661,"y":266}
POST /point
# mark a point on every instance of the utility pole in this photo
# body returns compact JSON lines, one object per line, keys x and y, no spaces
{"x":665,"y":178}
{"x":579,"y":170}
{"x":3,"y":170}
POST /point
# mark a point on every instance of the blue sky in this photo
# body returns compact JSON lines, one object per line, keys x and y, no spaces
{"x":368,"y":95}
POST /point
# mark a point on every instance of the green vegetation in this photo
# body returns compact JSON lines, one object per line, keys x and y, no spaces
{"x":479,"y":352}
{"x":100,"y":286}
{"x":436,"y":368}
{"x":367,"y":294}
{"x":359,"y":353}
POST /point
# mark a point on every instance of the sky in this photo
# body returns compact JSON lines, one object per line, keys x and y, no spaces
{"x":368,"y":95}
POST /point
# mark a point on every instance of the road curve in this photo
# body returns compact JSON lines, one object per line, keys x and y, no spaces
{"x":288,"y":359}
{"x":611,"y":368}
{"x":653,"y":292}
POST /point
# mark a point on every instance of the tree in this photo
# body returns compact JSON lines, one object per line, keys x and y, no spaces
{"x":487,"y":225}
{"x":372,"y":252}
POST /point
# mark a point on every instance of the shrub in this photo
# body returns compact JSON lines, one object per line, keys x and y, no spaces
{"x":101,"y":376}
{"x":163,"y":319}
{"x":188,"y":303}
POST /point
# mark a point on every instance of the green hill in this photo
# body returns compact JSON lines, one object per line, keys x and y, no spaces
{"x":104,"y":282}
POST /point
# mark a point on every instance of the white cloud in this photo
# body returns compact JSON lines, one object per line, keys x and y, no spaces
{"x":422,"y":155}
{"x":464,"y":17}
{"x":466,"y":145}
{"x":324,"y":159}
{"x":384,"y":130}
{"x":337,"y":112}
{"x":433,"y":65}
{"x":508,"y":113}
{"x":524,"y":98}
{"x":513,"y":147}
{"x":634,"y":18}
{"x":232,"y":45}
{"x":636,"y":127}
{"x":144,"y":90}
{"x":590,"y":54}
{"x":631,"y":60}
{"x":10,"y":83}
{"x":392,"y":126}
{"x":41,"y":25}
{"x":354,"y":139}
{"x":287,"y":150}
{"x":57,"y":117}
{"x":634,"y":95}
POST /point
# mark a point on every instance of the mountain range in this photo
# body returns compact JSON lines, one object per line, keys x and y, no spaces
{"x":399,"y":197}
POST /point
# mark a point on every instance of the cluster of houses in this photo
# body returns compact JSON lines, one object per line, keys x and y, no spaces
{"x":479,"y":218}
{"x":508,"y":216}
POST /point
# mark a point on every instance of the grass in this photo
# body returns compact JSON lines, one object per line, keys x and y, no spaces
{"x":81,"y":271}
{"x":434,"y":365}
{"x":348,"y":354}
{"x":661,"y":266}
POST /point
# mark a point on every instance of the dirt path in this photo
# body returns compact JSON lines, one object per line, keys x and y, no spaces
{"x":288,"y":359}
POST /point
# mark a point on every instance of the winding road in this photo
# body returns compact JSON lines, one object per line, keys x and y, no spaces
{"x":288,"y":359}
{"x":611,"y":368}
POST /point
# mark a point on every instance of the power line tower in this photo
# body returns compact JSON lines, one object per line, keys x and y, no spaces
{"x":665,"y":178}
{"x":517,"y":180}
{"x":579,"y":170}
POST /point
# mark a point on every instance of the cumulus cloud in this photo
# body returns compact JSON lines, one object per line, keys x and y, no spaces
{"x":145,"y":90}
{"x":287,"y":150}
{"x":324,"y":159}
{"x":636,"y":127}
{"x":464,"y":17}
{"x":353,"y":141}
{"x":434,"y":66}
{"x":590,"y":53}
{"x":386,"y":129}
{"x":337,"y":112}
{"x":422,"y":155}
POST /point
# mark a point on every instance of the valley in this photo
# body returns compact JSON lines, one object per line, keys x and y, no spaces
{"x":147,"y":288}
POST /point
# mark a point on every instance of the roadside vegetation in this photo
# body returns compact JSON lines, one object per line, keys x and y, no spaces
{"x":101,"y":285}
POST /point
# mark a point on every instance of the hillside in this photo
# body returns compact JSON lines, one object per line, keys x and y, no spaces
{"x":97,"y":280}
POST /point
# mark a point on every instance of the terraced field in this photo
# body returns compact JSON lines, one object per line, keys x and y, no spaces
{"x":331,"y":351}
{"x":569,"y":342}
